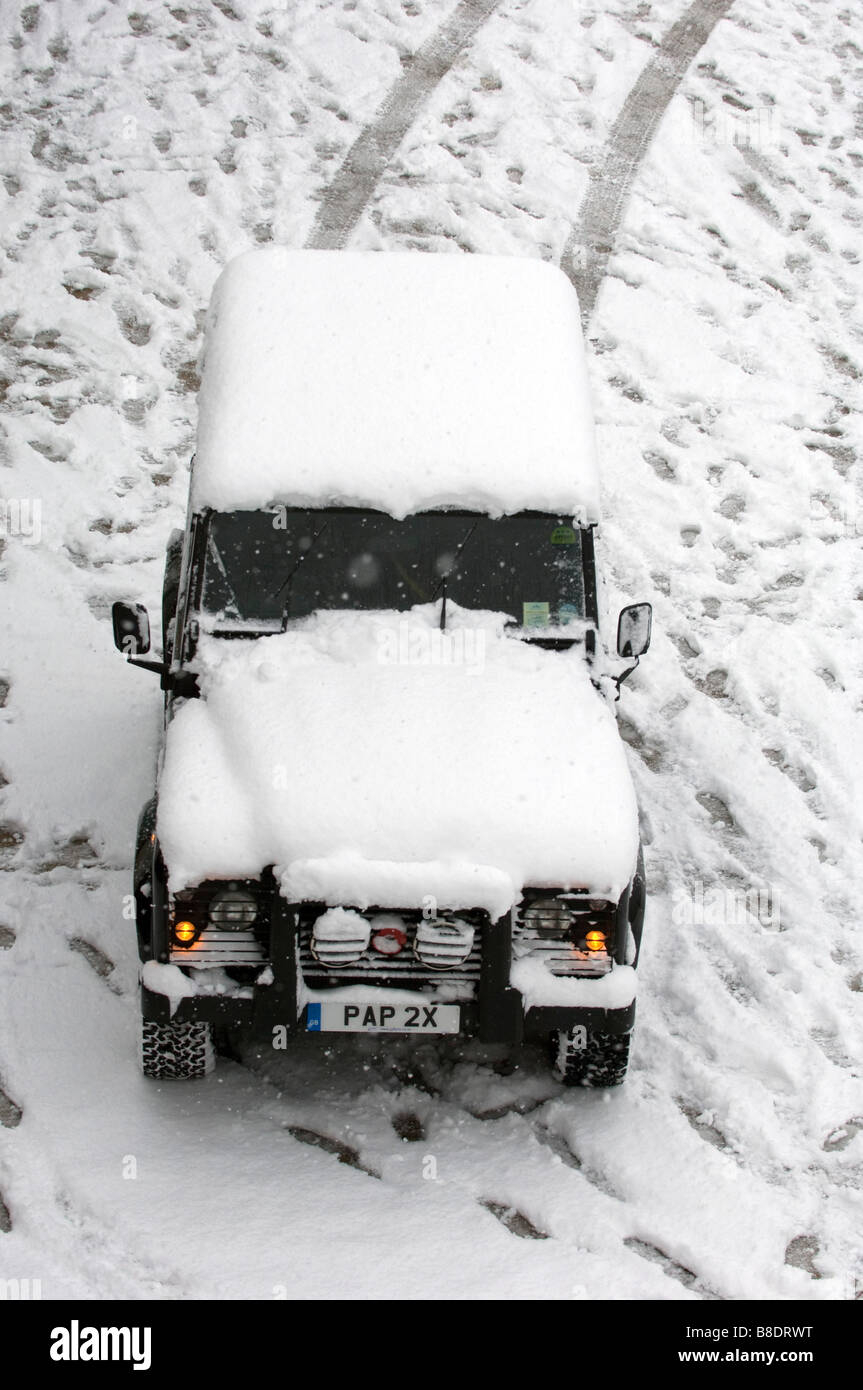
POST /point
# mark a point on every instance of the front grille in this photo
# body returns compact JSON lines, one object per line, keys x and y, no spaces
{"x":403,"y":971}
{"x":216,"y":945}
{"x":562,"y":952}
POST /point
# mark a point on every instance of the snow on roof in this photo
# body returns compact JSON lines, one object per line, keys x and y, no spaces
{"x":398,"y":381}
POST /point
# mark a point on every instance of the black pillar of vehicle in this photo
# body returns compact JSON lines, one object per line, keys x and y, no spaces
{"x":283,"y":959}
{"x":501,"y":1014}
{"x":591,"y":606}
{"x":160,"y":909}
{"x":621,"y":928}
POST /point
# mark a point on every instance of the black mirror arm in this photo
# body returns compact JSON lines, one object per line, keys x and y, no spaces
{"x":618,"y":680}
{"x":159,"y":667}
{"x":185,"y":684}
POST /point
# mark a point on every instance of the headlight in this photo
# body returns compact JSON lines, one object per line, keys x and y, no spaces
{"x":549,"y":914}
{"x":570,"y":934}
{"x":233,"y":910}
{"x":443,"y":943}
{"x":340,"y":936}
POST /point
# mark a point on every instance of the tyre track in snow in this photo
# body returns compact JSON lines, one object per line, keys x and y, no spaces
{"x":587,"y":252}
{"x":346,"y":198}
{"x":534,"y":1198}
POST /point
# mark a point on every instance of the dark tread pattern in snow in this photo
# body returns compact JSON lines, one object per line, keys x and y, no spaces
{"x":587,"y":251}
{"x":343,"y":1152}
{"x":347,"y":196}
{"x":515,"y":1221}
{"x":10,"y":1113}
{"x":409,"y":1128}
{"x":5,"y":1218}
{"x":684,"y":1276}
{"x":95,"y":958}
{"x":801,"y":1253}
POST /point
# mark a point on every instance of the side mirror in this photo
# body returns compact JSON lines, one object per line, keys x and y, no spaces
{"x":131,"y":628}
{"x":633,"y":629}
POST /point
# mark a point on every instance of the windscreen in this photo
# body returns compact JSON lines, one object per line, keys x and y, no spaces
{"x":264,"y":569}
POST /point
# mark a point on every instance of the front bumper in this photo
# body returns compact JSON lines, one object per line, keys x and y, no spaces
{"x":497,"y":1013}
{"x":267,"y":1010}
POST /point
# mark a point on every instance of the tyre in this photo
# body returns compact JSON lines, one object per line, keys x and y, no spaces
{"x":601,"y":1062}
{"x":176,"y":1051}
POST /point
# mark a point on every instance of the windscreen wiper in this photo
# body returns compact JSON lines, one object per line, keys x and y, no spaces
{"x":441,"y":587}
{"x":216,"y":557}
{"x":286,"y":582}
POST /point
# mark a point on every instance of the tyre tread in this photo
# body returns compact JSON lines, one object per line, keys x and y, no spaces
{"x":176,"y":1051}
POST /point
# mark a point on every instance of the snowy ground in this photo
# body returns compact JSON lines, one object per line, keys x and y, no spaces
{"x":142,"y":148}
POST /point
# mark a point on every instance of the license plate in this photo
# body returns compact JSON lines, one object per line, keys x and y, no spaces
{"x":382,"y":1018}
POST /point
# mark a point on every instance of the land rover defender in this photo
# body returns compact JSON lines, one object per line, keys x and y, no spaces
{"x":391,"y":796}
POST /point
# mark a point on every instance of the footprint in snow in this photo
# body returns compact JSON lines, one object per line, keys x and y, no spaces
{"x":73,"y":853}
{"x":562,"y":1150}
{"x":732,"y":507}
{"x":409,"y":1128}
{"x":515,"y":1221}
{"x":10,"y":1112}
{"x":134,"y":328}
{"x":343,"y":1152}
{"x":840,"y":1138}
{"x":93,"y":956}
{"x":714,"y":684}
{"x":11,"y":838}
{"x":701,"y":1122}
{"x":801,"y":1252}
{"x":687,"y":651}
{"x":650,"y":756}
{"x":717,"y":810}
{"x":660,"y":465}
{"x":794,"y":774}
{"x":648,"y":1251}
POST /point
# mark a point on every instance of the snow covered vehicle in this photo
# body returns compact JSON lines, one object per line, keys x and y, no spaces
{"x":392,"y":797}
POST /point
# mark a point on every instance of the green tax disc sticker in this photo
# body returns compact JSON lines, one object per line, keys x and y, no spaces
{"x":535,"y":614}
{"x":563,"y":535}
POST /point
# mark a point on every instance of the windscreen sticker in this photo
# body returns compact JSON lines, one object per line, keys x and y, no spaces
{"x":567,"y":613}
{"x":535,"y":614}
{"x":563,"y":535}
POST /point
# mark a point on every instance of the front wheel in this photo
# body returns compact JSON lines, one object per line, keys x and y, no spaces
{"x":176,"y":1051}
{"x":595,"y":1060}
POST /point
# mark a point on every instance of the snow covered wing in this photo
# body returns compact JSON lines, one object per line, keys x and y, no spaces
{"x":395,"y":381}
